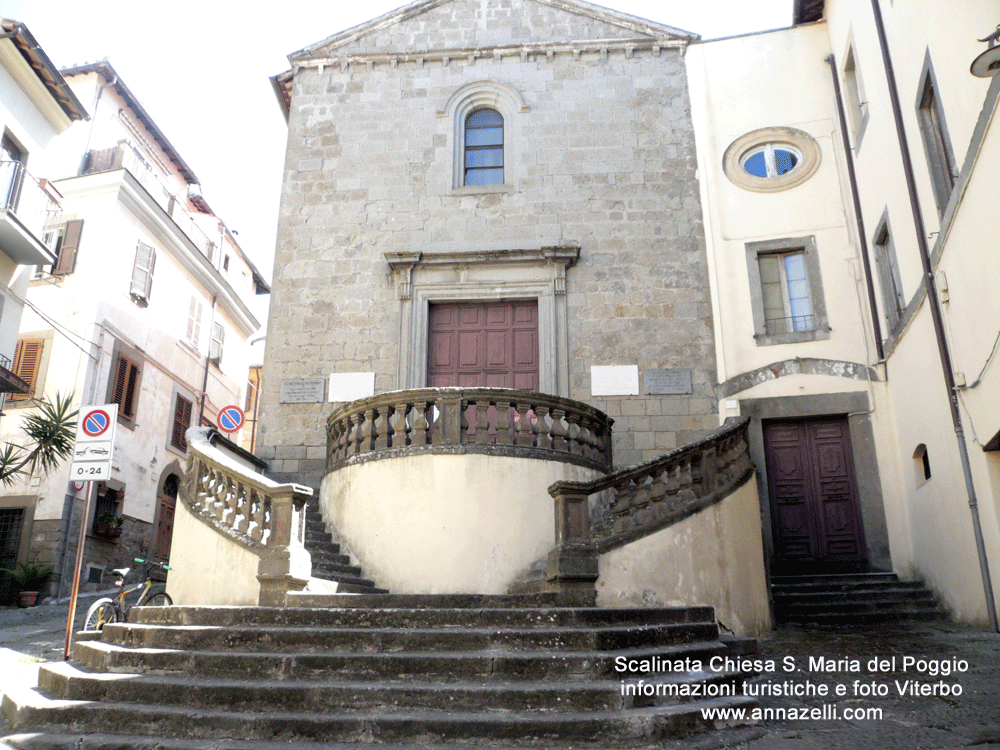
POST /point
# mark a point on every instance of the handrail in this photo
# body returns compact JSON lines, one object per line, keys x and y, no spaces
{"x":654,"y":495}
{"x":28,"y":199}
{"x":257,"y":513}
{"x":469,"y":420}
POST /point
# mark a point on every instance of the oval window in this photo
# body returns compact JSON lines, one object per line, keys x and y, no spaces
{"x":771,"y":160}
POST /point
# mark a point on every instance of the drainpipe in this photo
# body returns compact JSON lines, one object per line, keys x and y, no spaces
{"x":936,"y":317}
{"x":208,"y":360}
{"x":862,"y":237}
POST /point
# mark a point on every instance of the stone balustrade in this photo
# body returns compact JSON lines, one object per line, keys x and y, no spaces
{"x":248,"y":510}
{"x":469,"y":420}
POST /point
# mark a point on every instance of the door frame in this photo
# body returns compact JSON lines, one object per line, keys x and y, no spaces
{"x":855,"y":406}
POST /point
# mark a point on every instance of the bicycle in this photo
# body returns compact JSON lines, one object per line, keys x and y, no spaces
{"x":108,"y":610}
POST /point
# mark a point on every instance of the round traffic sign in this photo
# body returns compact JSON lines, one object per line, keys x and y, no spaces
{"x":96,"y":423}
{"x":230,"y":418}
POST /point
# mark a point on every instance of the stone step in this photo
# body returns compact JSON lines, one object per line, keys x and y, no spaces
{"x":350,"y":588}
{"x":323,"y":557}
{"x":352,"y":639}
{"x":68,"y":682}
{"x":900,"y":614}
{"x":421,"y":618}
{"x":443,"y":665}
{"x":423,"y":601}
{"x":806,"y":593}
{"x":26,"y":708}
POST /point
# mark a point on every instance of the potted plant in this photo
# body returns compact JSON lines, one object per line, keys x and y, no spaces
{"x":109,"y":525}
{"x":29,"y":579}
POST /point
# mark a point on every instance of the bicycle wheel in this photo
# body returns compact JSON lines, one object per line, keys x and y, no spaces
{"x":159,"y":599}
{"x":100,"y":613}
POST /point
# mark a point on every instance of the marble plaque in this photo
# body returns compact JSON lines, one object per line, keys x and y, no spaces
{"x":305,"y":391}
{"x":614,"y":380}
{"x":667,"y":382}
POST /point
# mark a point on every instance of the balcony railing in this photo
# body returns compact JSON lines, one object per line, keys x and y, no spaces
{"x":470,"y":420}
{"x":792,"y":324}
{"x":124,"y":156}
{"x":28,"y":199}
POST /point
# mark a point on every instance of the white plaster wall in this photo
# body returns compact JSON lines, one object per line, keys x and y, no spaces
{"x":715,"y":557}
{"x":207,"y":567}
{"x":430,"y":524}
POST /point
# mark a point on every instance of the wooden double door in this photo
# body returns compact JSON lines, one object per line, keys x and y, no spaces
{"x":815,"y":508}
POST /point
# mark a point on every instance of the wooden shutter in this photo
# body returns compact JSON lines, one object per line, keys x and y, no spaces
{"x":27,"y":361}
{"x":193,"y":334}
{"x":218,"y":338}
{"x":142,"y":272}
{"x":126,"y":386}
{"x":68,"y":247}
{"x":182,"y":420}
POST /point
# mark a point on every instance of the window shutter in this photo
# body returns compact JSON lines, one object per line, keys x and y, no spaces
{"x":182,"y":420}
{"x":218,"y":338}
{"x":126,"y":393}
{"x":142,"y":272}
{"x":27,"y":360}
{"x":68,"y":247}
{"x":194,"y":322}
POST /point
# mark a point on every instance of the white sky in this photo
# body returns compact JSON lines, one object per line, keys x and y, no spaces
{"x":201,"y":70}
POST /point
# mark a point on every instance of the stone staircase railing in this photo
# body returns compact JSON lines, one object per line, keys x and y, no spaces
{"x":641,"y":500}
{"x":248,"y":511}
{"x":470,"y":420}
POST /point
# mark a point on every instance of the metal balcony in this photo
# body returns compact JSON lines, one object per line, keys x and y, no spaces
{"x":28,"y":210}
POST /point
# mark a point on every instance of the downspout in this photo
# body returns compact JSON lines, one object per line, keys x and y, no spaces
{"x":936,"y":317}
{"x":862,"y":237}
{"x":208,"y":360}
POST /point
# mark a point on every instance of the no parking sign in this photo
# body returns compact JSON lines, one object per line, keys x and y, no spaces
{"x":95,"y":442}
{"x":230,"y":419}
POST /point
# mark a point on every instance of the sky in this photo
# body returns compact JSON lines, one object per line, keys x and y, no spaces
{"x":201,"y":70}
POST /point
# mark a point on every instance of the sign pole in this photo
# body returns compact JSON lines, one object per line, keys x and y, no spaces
{"x":76,"y":571}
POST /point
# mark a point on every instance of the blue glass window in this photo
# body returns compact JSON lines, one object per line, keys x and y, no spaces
{"x":771,"y":161}
{"x":484,"y":148}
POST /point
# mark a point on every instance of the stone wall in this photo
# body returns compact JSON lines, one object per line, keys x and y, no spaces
{"x":599,"y":154}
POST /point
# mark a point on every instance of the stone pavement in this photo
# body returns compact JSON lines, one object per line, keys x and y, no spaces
{"x":960,"y":710}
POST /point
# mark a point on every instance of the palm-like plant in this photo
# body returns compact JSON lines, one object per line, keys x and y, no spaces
{"x":51,"y":431}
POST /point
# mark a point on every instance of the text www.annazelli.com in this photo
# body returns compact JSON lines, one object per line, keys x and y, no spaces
{"x":826,"y":712}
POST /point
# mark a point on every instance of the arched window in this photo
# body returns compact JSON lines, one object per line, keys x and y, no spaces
{"x":484,"y":148}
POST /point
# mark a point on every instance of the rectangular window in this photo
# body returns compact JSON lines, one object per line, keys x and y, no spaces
{"x":27,"y":364}
{"x":126,"y":387}
{"x":786,"y":291}
{"x":889,"y":279}
{"x":215,"y":348}
{"x":142,"y":273}
{"x":68,"y":243}
{"x":854,"y":95}
{"x":193,"y":332}
{"x":182,"y":420}
{"x":937,"y":145}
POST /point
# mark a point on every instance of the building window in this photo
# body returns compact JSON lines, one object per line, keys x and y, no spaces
{"x":126,"y":387}
{"x":771,"y":159}
{"x":142,"y":273}
{"x":12,"y":160}
{"x":65,"y":243}
{"x":27,"y":366}
{"x":484,"y":148}
{"x":921,"y":464}
{"x":182,"y":420}
{"x":937,"y":144}
{"x":193,"y":332}
{"x":888,"y":272}
{"x":218,"y":339}
{"x":786,"y":291}
{"x":854,"y":98}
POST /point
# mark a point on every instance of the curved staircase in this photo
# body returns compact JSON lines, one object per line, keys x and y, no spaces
{"x":498,"y":670}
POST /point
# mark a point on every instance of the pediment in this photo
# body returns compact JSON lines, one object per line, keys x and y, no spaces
{"x":437,"y":25}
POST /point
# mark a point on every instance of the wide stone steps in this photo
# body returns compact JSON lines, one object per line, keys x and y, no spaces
{"x":329,"y":562}
{"x":864,"y":598}
{"x":438,"y":669}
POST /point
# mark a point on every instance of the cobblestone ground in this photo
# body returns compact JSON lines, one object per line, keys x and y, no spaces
{"x":968,"y":719}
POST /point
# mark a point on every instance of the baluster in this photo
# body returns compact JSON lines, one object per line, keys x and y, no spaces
{"x":256,"y":516}
{"x":419,"y":435}
{"x":573,"y":444}
{"x":368,"y":432}
{"x":543,"y":437}
{"x":463,"y":421}
{"x":504,"y":436}
{"x":586,"y":438}
{"x":384,"y":439}
{"x":482,"y":423}
{"x":401,"y":431}
{"x":523,"y":432}
{"x":243,"y":509}
{"x":559,"y":431}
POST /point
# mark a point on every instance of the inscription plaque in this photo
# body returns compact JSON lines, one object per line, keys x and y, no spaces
{"x":667,"y":382}
{"x":305,"y":391}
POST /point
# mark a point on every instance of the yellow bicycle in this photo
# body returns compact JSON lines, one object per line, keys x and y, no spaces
{"x":108,"y":610}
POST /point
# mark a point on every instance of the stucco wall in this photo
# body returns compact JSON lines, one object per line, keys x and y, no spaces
{"x":208,"y":567}
{"x":432,"y":524}
{"x":714,"y":558}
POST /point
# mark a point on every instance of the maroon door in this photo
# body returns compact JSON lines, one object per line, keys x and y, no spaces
{"x":492,"y":344}
{"x":165,"y":528}
{"x":815,"y":512}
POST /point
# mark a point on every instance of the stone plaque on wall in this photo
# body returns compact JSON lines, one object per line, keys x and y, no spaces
{"x":665,"y":382}
{"x":305,"y":391}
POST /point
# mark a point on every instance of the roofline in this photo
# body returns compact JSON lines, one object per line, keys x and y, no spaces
{"x":104,"y":68}
{"x":46,"y":71}
{"x":281,"y":84}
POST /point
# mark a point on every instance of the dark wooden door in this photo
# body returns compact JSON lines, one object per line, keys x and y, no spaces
{"x":165,"y":528}
{"x":815,"y":513}
{"x":491,"y":344}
